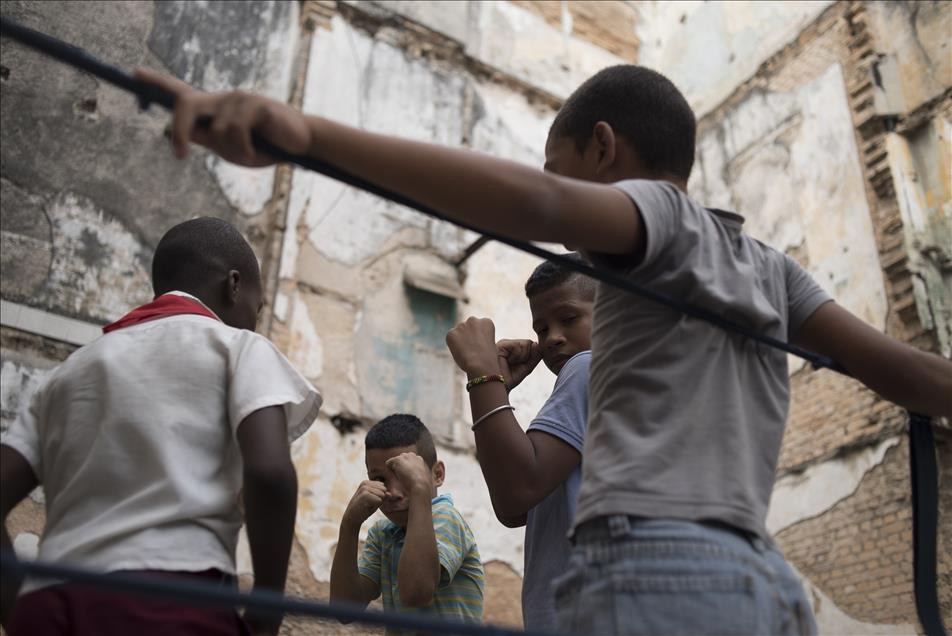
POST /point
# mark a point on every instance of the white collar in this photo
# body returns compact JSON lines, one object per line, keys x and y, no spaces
{"x":176,"y":292}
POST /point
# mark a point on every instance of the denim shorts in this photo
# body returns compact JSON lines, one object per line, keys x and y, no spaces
{"x":629,"y":575}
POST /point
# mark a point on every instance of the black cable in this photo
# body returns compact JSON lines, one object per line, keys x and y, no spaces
{"x":201,"y":593}
{"x":925,"y":520}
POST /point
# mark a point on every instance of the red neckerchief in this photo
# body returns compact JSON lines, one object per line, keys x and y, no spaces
{"x":163,"y":306}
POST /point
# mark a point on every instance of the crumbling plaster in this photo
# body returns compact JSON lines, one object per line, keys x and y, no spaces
{"x":915,"y":36}
{"x":115,"y":188}
{"x":832,"y":620}
{"x":709,"y":48}
{"x":920,"y":163}
{"x":819,"y":487}
{"x":788,"y":162}
{"x":507,"y":37}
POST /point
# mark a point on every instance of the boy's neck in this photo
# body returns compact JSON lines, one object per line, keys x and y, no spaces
{"x":201,"y":296}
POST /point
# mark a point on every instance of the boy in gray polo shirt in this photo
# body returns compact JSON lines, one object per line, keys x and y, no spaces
{"x":534,"y":476}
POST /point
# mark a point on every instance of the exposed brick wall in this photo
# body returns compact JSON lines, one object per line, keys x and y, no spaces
{"x":608,"y":24}
{"x":860,"y":551}
{"x":831,"y":414}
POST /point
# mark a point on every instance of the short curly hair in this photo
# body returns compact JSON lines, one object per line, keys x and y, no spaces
{"x":550,"y":274}
{"x":194,"y":253}
{"x":642,"y":106}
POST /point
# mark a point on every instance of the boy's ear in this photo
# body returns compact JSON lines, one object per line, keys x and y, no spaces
{"x":439,"y":473}
{"x":233,"y":287}
{"x":605,"y":145}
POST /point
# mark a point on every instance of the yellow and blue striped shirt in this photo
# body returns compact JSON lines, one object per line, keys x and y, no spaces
{"x":460,"y":592}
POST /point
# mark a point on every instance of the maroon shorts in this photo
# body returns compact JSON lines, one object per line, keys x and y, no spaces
{"x":79,"y":610}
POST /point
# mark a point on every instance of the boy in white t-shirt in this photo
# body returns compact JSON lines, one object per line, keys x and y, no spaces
{"x":144,"y":440}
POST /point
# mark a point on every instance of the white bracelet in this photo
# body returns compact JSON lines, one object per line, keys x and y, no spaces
{"x":495,"y":410}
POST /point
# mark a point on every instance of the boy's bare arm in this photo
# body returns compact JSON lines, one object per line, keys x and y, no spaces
{"x":418,"y":572}
{"x":520,"y":468}
{"x":347,"y":583}
{"x":916,"y":380}
{"x":492,"y":194}
{"x":16,"y":482}
{"x":270,"y":500}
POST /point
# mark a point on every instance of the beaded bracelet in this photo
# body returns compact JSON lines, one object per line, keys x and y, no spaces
{"x":483,"y":379}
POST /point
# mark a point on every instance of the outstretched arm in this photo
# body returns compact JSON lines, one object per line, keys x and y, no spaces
{"x":916,"y":380}
{"x":492,"y":194}
{"x":16,"y":482}
{"x":270,"y":497}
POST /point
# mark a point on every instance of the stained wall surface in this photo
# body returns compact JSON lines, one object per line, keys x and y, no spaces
{"x":825,"y":123}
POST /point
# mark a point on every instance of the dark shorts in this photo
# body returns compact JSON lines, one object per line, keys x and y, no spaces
{"x":76,"y":610}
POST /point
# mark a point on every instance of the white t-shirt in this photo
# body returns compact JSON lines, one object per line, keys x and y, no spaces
{"x":133,"y":439}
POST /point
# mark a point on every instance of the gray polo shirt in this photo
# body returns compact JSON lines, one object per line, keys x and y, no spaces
{"x":547,"y":546}
{"x":686,"y":419}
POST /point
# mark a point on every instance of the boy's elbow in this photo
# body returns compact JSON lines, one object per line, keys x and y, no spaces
{"x":515,"y":521}
{"x":417,"y":596}
{"x":515,"y":503}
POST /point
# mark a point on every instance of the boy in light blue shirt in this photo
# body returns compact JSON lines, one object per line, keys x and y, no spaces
{"x":534,"y":477}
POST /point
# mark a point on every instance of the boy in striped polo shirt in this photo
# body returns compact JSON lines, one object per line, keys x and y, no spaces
{"x":423,"y":556}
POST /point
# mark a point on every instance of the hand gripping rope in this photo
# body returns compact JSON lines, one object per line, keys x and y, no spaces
{"x":921,"y":441}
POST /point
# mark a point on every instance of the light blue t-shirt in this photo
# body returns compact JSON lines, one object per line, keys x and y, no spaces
{"x":547,"y":549}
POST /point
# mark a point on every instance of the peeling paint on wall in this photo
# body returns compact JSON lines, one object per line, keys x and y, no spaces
{"x":379,"y":88}
{"x":830,"y":619}
{"x":821,"y":486}
{"x":788,"y":163}
{"x":920,"y":164}
{"x":305,"y":351}
{"x":402,"y":361}
{"x":504,"y":36}
{"x":916,"y":35}
{"x":209,"y":45}
{"x":709,"y":48}
{"x":99,"y":268}
{"x":18,"y":382}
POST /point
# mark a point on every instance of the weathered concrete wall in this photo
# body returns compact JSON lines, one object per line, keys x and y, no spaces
{"x":516,"y":40}
{"x":914,"y":62}
{"x":78,"y":231}
{"x":788,"y":161}
{"x":709,"y":48}
{"x":826,"y":124}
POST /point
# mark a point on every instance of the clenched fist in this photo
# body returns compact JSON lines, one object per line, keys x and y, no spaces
{"x":412,"y":472}
{"x":369,"y":496}
{"x":473,"y":345}
{"x":517,"y":359}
